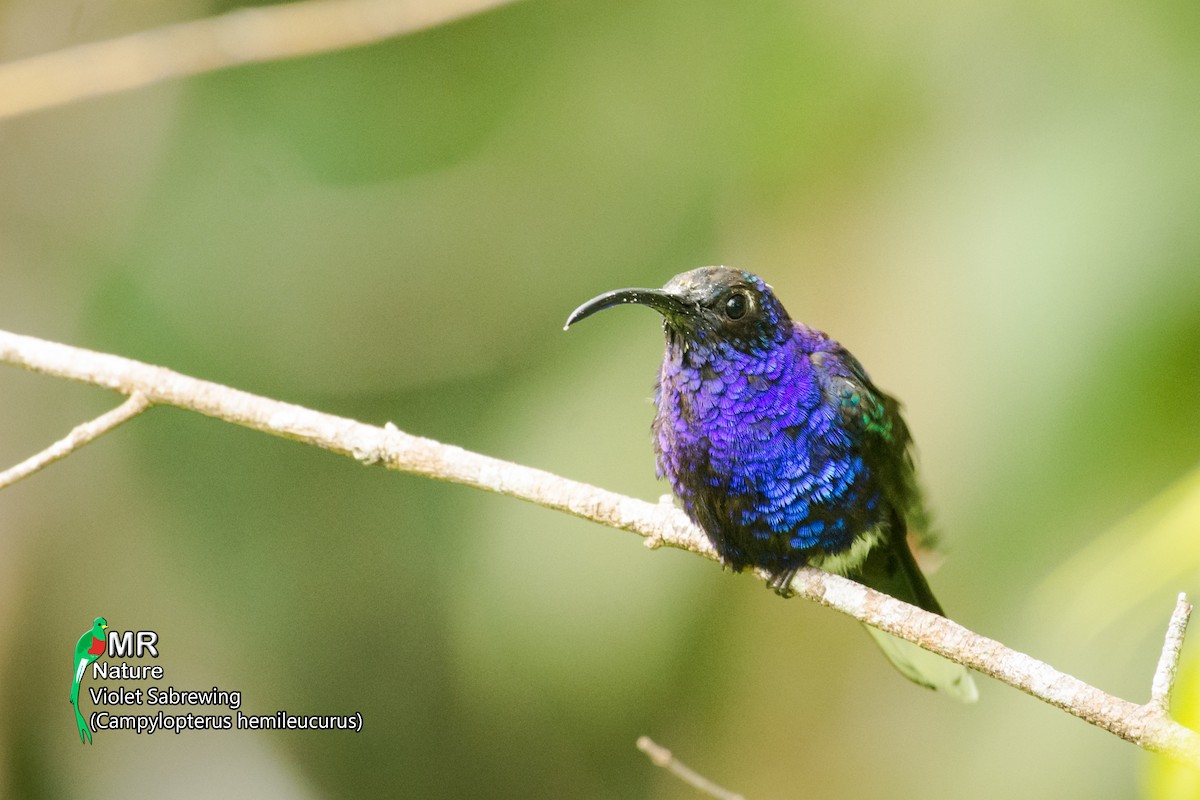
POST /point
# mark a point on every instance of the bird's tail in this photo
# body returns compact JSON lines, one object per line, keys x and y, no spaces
{"x":891,"y":569}
{"x":926,"y":668}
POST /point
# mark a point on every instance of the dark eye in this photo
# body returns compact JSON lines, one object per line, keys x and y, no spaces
{"x":737,"y":305}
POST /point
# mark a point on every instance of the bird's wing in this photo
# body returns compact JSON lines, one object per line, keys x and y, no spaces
{"x":890,"y":567}
{"x":876,"y":419}
{"x":864,"y":408}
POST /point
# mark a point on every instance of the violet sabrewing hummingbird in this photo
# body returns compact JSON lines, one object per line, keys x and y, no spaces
{"x":777,"y":444}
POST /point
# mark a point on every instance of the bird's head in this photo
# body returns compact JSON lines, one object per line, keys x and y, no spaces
{"x":100,"y":624}
{"x":707,"y":308}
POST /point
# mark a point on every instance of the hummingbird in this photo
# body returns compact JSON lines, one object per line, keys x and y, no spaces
{"x":89,"y":647}
{"x":777,"y":444}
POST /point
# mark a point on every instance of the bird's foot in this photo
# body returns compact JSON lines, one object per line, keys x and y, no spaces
{"x":781,"y":582}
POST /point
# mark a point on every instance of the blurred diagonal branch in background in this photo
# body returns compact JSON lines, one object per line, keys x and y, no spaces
{"x":245,"y":36}
{"x":662,"y":757}
{"x":1148,"y":725}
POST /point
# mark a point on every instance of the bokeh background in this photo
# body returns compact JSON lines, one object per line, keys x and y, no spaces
{"x":994,"y":205}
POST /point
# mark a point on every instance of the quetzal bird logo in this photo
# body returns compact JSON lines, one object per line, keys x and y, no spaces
{"x":90,"y":647}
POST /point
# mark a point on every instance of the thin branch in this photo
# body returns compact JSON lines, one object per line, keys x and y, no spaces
{"x":366,"y":443}
{"x":662,"y":757}
{"x":245,"y":36}
{"x":1168,"y":661}
{"x":77,"y":438}
{"x":1148,"y":726}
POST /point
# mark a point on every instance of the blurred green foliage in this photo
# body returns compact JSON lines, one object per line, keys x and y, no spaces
{"x":992,"y":204}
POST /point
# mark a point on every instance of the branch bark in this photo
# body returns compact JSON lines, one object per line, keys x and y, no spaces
{"x":1147,"y":725}
{"x":1168,"y":661}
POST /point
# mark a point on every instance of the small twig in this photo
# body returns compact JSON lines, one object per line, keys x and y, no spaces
{"x":1168,"y":662}
{"x":244,"y":36}
{"x":662,"y":757}
{"x":77,"y":438}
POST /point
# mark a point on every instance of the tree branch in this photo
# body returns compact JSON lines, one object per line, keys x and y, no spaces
{"x":1168,"y":661}
{"x":245,"y":36}
{"x":1149,"y":725}
{"x":662,"y":757}
{"x":77,"y":438}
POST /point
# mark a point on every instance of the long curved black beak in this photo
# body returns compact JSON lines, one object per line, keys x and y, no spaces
{"x":665,"y":303}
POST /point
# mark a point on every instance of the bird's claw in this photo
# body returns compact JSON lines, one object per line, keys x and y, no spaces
{"x":781,"y":582}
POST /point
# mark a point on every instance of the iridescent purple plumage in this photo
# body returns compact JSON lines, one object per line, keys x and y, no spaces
{"x":781,"y":449}
{"x":753,"y":442}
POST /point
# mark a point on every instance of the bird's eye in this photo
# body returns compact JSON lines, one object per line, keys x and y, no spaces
{"x":736,"y":305}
